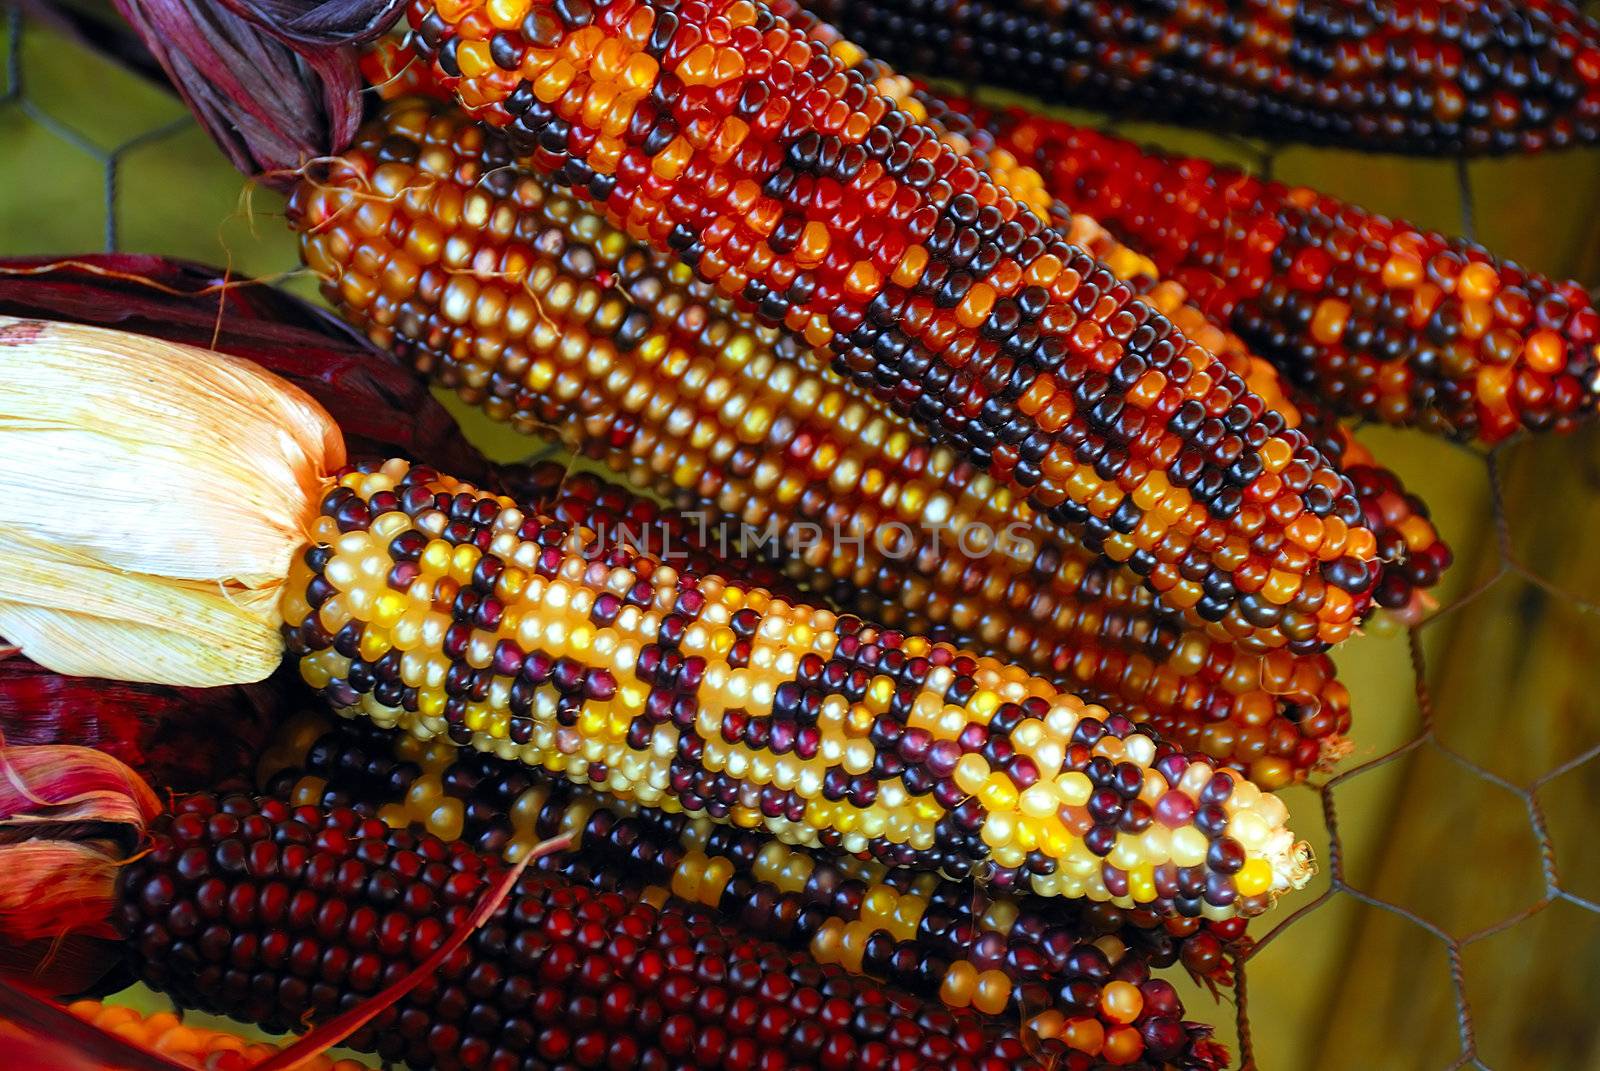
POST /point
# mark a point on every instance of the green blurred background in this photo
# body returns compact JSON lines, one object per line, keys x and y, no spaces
{"x":1453,"y":920}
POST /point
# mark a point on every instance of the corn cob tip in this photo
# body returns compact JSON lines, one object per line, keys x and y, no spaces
{"x":150,"y":545}
{"x":1295,"y":867}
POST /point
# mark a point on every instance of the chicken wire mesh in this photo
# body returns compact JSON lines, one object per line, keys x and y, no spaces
{"x":1456,"y":918}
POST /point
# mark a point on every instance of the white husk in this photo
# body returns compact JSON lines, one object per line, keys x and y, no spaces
{"x":154,"y":496}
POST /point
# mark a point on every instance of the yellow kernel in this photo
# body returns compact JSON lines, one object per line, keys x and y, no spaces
{"x":1189,"y":846}
{"x":1254,"y":878}
{"x":1074,"y":788}
{"x":960,"y":984}
{"x":992,"y":992}
{"x":971,"y":772}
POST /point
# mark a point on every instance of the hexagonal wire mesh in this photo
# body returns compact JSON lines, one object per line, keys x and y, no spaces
{"x":1515,"y":629}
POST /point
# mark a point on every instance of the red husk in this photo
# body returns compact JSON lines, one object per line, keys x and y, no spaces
{"x":69,"y":816}
{"x":181,"y":739}
{"x":270,"y":106}
{"x":381,"y":405}
{"x":321,"y":23}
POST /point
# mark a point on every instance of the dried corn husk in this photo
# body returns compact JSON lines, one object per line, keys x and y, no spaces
{"x":67,"y":814}
{"x":159,"y":493}
{"x":178,"y":739}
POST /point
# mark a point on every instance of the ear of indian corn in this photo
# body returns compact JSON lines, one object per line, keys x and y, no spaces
{"x":508,"y":807}
{"x":1466,"y":77}
{"x":929,"y":937}
{"x":739,"y":143}
{"x":426,"y":603}
{"x":1371,"y":315}
{"x":1412,"y":554}
{"x":277,"y":915}
{"x":1410,"y":550}
{"x":423,"y":600}
{"x":531,"y":306}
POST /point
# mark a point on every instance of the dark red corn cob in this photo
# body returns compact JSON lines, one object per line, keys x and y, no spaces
{"x":721,"y":133}
{"x":1461,"y":77}
{"x":1372,"y":316}
{"x":277,"y":914}
{"x":1002,"y":955}
{"x":176,"y":738}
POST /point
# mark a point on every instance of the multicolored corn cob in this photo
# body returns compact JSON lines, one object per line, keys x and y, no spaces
{"x":426,"y":603}
{"x":721,"y":133}
{"x":1001,"y":955}
{"x":541,"y":313}
{"x":1411,"y":551}
{"x":1273,"y":717}
{"x":276,"y":914}
{"x":1412,"y":554}
{"x":688,"y":541}
{"x":1463,"y":77}
{"x":1371,"y":315}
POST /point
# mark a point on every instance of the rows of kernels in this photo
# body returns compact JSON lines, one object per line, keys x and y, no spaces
{"x":1273,"y":716}
{"x":283,"y":915}
{"x":190,"y":1046}
{"x":1471,"y":76}
{"x":1411,"y":553}
{"x":686,"y":538}
{"x":1371,"y":315}
{"x":431,"y":605}
{"x":920,"y":934}
{"x":1409,"y":549}
{"x":746,"y":148}
{"x":685,"y":399}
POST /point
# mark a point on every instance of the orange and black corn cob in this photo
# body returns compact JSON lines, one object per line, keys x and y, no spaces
{"x":1462,"y":77}
{"x":1001,"y":955}
{"x":719,"y":132}
{"x":427,"y":603}
{"x":1411,"y":553}
{"x":278,"y":915}
{"x":542,"y":314}
{"x":1371,"y":316}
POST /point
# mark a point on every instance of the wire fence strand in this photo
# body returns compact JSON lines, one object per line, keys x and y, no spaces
{"x":1506,"y":563}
